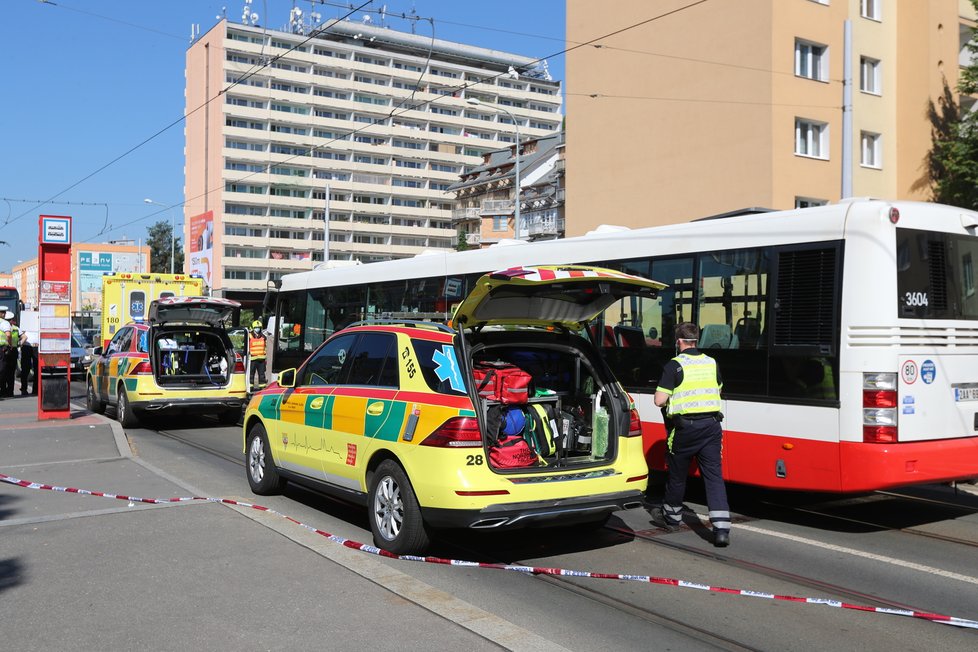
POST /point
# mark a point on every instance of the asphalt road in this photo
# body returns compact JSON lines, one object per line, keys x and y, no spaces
{"x":914,"y":549}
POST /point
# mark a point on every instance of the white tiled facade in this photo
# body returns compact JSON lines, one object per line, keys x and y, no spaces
{"x":333,"y":116}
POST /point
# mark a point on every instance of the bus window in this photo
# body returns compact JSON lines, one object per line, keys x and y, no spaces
{"x":292,"y":309}
{"x":635,"y":335}
{"x":732,"y":310}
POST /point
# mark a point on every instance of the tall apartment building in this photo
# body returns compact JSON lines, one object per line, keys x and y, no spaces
{"x":366,"y":123}
{"x":726,"y":105}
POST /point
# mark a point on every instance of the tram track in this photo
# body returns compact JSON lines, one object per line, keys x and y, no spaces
{"x":914,"y":531}
{"x":650,"y":537}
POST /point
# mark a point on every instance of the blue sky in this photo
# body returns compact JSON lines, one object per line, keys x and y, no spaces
{"x":90,"y":81}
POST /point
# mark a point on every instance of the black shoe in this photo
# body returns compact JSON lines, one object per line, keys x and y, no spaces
{"x":659,"y":520}
{"x":721,"y":538}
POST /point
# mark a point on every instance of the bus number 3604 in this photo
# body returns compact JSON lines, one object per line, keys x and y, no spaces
{"x":915,"y":298}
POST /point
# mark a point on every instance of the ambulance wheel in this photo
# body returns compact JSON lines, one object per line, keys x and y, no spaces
{"x":395,"y":516}
{"x":263,"y":477}
{"x":94,"y":404}
{"x":124,"y":412}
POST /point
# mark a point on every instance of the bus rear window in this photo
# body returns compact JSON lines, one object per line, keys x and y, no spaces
{"x":936,"y":275}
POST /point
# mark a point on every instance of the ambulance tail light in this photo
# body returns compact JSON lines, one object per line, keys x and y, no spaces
{"x":880,"y":408}
{"x":143,"y":368}
{"x":238,"y":363}
{"x":634,"y":424}
{"x":457,"y":432}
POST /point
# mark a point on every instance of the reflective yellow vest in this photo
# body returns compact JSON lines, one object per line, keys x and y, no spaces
{"x":699,"y":391}
{"x":256,"y":347}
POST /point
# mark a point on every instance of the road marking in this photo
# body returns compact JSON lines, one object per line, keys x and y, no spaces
{"x":860,"y":553}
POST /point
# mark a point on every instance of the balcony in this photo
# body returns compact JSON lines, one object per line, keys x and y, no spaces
{"x":497,"y":207}
{"x":464,"y":214}
{"x":473,"y":239}
{"x":547,"y":227}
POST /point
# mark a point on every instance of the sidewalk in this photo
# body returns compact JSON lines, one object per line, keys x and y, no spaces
{"x":91,"y":573}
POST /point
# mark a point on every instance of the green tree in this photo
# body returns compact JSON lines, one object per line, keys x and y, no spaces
{"x":463,"y":243}
{"x":159,"y":248}
{"x":952,"y":163}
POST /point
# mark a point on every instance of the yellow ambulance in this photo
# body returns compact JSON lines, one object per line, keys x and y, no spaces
{"x":126,"y":297}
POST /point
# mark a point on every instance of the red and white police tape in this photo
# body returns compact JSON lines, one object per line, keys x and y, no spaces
{"x":530,"y":570}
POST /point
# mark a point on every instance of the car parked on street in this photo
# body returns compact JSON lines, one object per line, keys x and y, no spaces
{"x":81,"y":356}
{"x":180,"y":361}
{"x":388,"y":414}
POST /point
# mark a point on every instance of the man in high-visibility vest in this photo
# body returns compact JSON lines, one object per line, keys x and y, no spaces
{"x":10,"y":350}
{"x":5,"y":332}
{"x":689,"y":389}
{"x":256,"y":351}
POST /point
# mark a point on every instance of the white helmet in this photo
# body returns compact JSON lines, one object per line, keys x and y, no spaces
{"x":8,"y":315}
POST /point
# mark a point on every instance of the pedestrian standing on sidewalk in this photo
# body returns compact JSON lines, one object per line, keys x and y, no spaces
{"x":5,"y":343}
{"x":689,"y":389}
{"x":28,"y":363}
{"x":12,"y":341}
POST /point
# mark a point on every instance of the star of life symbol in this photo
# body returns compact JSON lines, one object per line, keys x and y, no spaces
{"x":446,"y":367}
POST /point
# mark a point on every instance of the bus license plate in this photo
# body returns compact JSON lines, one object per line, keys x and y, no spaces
{"x":966,"y":393}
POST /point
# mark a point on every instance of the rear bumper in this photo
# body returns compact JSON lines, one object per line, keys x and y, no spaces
{"x":865,"y":467}
{"x":184,"y":405}
{"x":565,"y":511}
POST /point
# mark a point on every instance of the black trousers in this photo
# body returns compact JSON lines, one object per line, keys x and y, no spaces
{"x":702,"y":439}
{"x":258,"y":370}
{"x":9,"y":372}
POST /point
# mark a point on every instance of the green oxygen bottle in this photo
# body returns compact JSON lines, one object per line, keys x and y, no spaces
{"x":599,"y":428}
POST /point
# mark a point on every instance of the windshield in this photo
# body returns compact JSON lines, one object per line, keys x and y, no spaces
{"x":936,"y":275}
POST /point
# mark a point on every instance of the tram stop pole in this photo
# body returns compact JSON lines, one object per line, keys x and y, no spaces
{"x":54,"y":316}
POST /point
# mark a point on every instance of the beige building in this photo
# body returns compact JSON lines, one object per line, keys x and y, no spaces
{"x":366,"y":124}
{"x":726,"y":105}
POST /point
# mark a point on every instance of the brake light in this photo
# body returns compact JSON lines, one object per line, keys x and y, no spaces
{"x":238,"y":363}
{"x":143,"y":368}
{"x":880,"y":408}
{"x":878,"y":398}
{"x":634,"y":424}
{"x":457,"y":432}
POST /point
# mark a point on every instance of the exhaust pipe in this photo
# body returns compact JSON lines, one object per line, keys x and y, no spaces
{"x":488,"y":523}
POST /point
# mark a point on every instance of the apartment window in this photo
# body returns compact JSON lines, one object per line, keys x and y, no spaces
{"x":499,"y":223}
{"x":870,"y":9}
{"x":811,"y":60}
{"x":808,"y":202}
{"x":869,"y":75}
{"x":870,"y":150}
{"x":811,"y":138}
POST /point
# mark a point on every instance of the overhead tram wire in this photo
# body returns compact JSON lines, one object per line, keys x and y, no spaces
{"x":182,"y":118}
{"x":599,"y":96}
{"x":458,"y":88}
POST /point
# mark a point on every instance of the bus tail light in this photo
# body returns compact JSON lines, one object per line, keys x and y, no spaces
{"x":457,"y":432}
{"x":880,"y":408}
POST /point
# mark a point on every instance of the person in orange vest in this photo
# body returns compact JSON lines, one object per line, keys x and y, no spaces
{"x":256,"y":351}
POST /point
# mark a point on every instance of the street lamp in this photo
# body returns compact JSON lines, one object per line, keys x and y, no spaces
{"x":516,"y":218}
{"x":173,"y":226}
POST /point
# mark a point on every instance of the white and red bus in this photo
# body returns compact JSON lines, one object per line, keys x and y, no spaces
{"x":847,"y":334}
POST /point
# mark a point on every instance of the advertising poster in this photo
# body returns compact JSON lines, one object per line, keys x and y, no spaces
{"x":201,"y":246}
{"x":92,"y":265}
